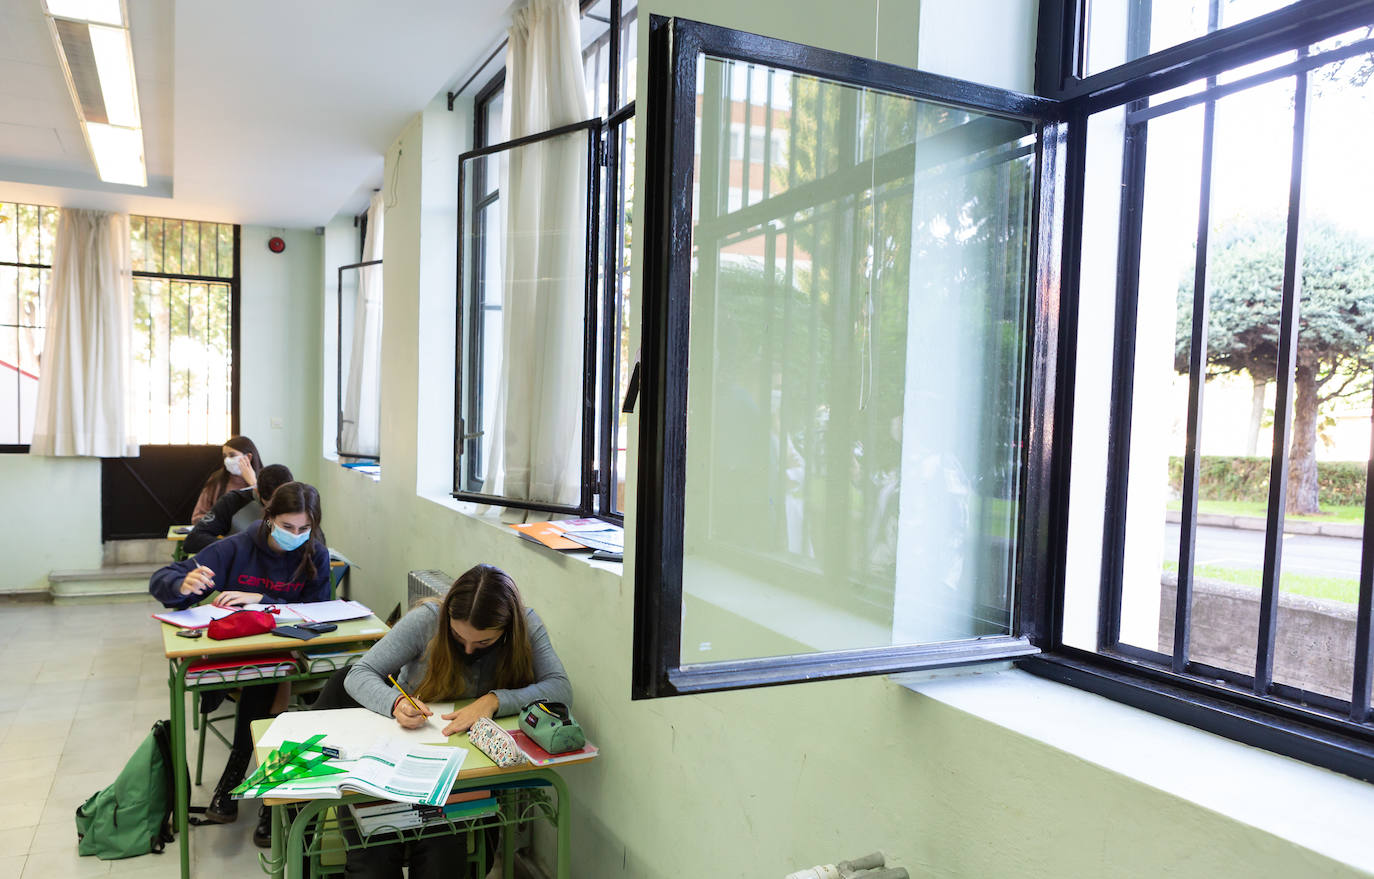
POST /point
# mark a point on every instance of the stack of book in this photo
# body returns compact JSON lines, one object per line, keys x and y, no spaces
{"x":332,"y":658}
{"x":239,"y":668}
{"x":389,"y":817}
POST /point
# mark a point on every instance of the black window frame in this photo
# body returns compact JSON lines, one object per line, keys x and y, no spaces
{"x":235,"y":282}
{"x":602,"y":366}
{"x":234,"y":290}
{"x":657,"y":670}
{"x":339,"y":450}
{"x":1249,"y":709}
{"x":23,"y":448}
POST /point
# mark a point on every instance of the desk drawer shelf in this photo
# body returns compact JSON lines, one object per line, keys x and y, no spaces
{"x":333,"y":832}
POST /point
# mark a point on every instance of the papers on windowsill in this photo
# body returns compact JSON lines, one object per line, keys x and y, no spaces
{"x":337,"y":611}
{"x":574,"y":534}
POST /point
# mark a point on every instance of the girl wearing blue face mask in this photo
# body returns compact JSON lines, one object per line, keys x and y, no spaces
{"x":284,"y":559}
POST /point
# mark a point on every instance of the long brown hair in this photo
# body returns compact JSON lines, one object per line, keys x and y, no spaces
{"x":296,"y":497}
{"x":484,"y":597}
{"x":218,"y":481}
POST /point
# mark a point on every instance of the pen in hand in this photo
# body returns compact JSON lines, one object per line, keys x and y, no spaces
{"x":198,"y":580}
{"x":420,"y":710}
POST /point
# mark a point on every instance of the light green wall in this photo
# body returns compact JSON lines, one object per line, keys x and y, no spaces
{"x":280,"y":373}
{"x":52,"y":519}
{"x":760,"y":782}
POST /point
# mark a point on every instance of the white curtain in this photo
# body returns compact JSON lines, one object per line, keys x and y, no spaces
{"x":537,"y":423}
{"x":362,"y":408}
{"x":84,"y":376}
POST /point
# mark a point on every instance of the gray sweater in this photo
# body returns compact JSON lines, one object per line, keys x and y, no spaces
{"x":401,"y":652}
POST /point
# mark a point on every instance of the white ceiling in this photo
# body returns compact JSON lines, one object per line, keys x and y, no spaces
{"x":255,"y":111}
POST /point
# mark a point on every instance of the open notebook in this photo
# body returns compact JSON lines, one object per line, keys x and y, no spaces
{"x":336,"y":611}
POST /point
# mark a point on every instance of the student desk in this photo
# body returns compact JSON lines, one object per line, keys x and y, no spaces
{"x":181,"y":652}
{"x":289,"y":841}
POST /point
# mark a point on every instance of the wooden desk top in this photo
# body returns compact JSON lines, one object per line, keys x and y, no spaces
{"x":369,"y":629}
{"x":475,"y":764}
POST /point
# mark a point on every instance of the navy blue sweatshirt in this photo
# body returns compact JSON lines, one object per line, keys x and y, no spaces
{"x":244,"y":562}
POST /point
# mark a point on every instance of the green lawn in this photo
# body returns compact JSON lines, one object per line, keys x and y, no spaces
{"x":1333,"y":588}
{"x":1353,"y":514}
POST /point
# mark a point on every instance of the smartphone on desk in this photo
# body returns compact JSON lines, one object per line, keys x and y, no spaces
{"x":188,"y":633}
{"x":294,"y":632}
{"x":318,"y":628}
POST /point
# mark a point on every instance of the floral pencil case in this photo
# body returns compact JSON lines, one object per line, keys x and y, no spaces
{"x":495,"y":742}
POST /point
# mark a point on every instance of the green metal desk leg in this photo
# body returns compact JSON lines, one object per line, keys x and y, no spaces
{"x":176,"y":683}
{"x":562,"y":821}
{"x":279,"y":830}
{"x":295,"y":839}
{"x":508,"y":848}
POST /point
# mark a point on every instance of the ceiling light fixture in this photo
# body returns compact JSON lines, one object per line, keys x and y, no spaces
{"x":92,"y":39}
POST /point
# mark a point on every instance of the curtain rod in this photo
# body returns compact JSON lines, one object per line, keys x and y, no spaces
{"x":582,"y":8}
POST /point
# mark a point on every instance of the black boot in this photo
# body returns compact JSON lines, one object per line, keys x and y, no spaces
{"x":262,"y":834}
{"x":223,"y":808}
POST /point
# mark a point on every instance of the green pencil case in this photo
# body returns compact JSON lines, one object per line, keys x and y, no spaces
{"x":551,"y":726}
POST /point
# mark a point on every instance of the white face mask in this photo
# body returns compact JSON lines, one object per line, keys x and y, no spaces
{"x":233,"y":466}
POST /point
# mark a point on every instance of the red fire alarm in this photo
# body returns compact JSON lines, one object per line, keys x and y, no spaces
{"x":276,"y":245}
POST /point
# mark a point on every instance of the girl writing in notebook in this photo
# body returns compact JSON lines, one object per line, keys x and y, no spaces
{"x":478,"y":642}
{"x":284,"y":559}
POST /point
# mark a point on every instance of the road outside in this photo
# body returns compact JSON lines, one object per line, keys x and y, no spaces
{"x":1239,"y":548}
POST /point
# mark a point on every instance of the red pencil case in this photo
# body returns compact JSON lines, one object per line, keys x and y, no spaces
{"x":241,"y":624}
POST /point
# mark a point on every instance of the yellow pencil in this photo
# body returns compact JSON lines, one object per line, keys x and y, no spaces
{"x":413,"y":703}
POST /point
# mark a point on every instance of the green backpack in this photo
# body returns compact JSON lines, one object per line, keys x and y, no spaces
{"x":133,"y":815}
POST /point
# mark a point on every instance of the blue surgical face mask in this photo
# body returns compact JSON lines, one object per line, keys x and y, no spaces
{"x":288,"y":541}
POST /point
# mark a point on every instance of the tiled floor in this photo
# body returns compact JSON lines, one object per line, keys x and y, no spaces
{"x":82,"y":685}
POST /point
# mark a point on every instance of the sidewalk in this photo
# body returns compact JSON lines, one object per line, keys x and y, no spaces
{"x":1290,"y":526}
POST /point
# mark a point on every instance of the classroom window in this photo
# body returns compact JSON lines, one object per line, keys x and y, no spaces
{"x":358,"y":347}
{"x":596,"y":445}
{"x":837,"y":366}
{"x":185,"y":283}
{"x":1217,"y":563}
{"x":27,"y":233}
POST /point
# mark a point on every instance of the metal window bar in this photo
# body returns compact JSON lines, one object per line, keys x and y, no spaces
{"x":462,"y":438}
{"x":39,"y":247}
{"x":181,"y":289}
{"x":1197,"y":366}
{"x":1289,"y":306}
{"x":1278,"y":699}
{"x":612,"y":135}
{"x":338,"y":357}
{"x":480,"y":218}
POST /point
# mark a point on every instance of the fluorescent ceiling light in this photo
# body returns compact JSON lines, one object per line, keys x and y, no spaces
{"x":101,"y":11}
{"x":97,"y":57}
{"x":114,"y":65}
{"x":118,"y":153}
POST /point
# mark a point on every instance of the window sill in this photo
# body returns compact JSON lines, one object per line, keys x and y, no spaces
{"x":1315,"y":808}
{"x":491,"y":516}
{"x":367,"y":471}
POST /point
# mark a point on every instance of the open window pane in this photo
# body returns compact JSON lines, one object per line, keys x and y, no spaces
{"x":856,"y":358}
{"x":835,"y":403}
{"x":526,"y":278}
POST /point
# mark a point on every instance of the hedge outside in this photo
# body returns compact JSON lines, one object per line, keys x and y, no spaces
{"x":1238,"y":478}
